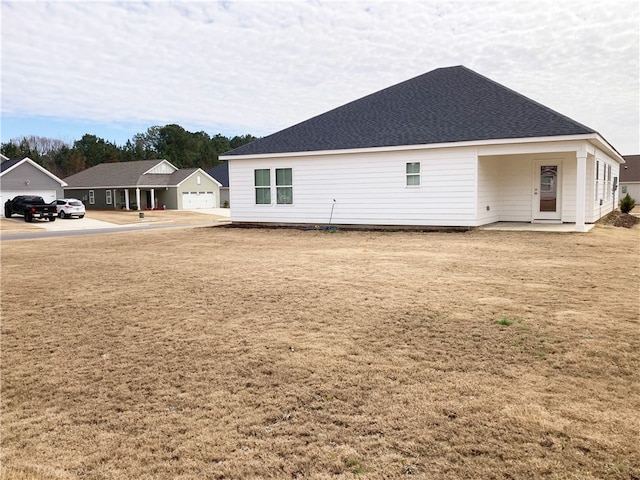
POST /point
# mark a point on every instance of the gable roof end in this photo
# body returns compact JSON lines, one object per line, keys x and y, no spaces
{"x":630,"y":170}
{"x":446,"y":105}
{"x":8,"y":165}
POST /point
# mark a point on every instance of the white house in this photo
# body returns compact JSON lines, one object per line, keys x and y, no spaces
{"x":447,"y":148}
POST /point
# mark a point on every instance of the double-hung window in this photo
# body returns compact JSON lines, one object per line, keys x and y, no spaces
{"x":284,"y":186}
{"x":262,"y":182}
{"x":413,"y":174}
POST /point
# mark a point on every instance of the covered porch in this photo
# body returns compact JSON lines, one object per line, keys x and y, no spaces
{"x":536,"y":184}
{"x":140,"y":198}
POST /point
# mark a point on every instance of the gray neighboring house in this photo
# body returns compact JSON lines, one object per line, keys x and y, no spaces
{"x":221,"y":174}
{"x":23,"y":176}
{"x":630,"y":177}
{"x":144,"y":185}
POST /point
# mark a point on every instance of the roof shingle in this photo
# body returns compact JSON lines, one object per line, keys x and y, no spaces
{"x":123,"y":174}
{"x":446,"y":105}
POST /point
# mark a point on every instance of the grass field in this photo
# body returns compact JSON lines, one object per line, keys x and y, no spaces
{"x":234,"y":353}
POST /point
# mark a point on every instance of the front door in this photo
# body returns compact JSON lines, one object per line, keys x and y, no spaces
{"x":547,"y":190}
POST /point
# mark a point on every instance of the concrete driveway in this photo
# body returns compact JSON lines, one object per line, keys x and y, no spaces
{"x":72,"y":224}
{"x":98,"y":221}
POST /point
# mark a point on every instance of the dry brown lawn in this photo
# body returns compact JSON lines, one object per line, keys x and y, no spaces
{"x":234,"y":353}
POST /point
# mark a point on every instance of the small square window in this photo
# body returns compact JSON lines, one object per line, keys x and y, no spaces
{"x":413,"y":174}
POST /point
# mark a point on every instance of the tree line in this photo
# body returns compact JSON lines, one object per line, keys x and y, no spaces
{"x":180,"y":147}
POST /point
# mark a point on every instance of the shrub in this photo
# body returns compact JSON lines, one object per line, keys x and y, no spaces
{"x":627,"y":204}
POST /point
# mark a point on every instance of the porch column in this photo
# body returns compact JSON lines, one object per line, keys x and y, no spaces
{"x":153,"y":198}
{"x":581,"y":188}
{"x":126,"y":198}
{"x":138,"y":197}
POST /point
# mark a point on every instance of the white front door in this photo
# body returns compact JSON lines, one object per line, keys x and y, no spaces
{"x":547,"y":190}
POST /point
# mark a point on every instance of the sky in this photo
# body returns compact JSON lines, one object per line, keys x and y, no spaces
{"x":114,"y":69}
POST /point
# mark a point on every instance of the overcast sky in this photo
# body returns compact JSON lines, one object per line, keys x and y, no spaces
{"x":114,"y":69}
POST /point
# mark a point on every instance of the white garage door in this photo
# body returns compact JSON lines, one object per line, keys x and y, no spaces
{"x":48,"y":195}
{"x":196,"y":200}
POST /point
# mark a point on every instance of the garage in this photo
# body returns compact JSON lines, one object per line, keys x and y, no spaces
{"x":26,"y":177}
{"x":197,"y":200}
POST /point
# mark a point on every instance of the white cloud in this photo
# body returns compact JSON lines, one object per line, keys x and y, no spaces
{"x":259,"y":66}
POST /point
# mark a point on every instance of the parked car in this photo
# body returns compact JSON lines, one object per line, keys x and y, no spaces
{"x":69,"y":207}
{"x":30,"y":207}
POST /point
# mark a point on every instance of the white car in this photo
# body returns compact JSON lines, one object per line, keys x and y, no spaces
{"x":70,"y":207}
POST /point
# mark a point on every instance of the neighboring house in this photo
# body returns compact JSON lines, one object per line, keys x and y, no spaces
{"x":447,"y":148}
{"x":630,"y":177}
{"x":23,"y":176}
{"x":143,"y":185}
{"x":221,"y":174}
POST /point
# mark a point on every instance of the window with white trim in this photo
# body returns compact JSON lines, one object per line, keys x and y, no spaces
{"x":108,"y":197}
{"x":262,"y":183}
{"x":413,"y":174}
{"x":92,"y":197}
{"x":284,"y":186}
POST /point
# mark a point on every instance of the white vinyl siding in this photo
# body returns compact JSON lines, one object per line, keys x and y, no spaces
{"x":459,"y":186}
{"x":368,"y":188}
{"x":601,"y":182}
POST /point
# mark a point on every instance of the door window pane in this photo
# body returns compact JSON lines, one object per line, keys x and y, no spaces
{"x":548,"y":187}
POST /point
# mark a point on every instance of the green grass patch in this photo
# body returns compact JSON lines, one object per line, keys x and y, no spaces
{"x":504,"y":321}
{"x":355,"y":466}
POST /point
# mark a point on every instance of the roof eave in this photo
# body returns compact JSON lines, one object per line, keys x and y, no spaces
{"x":593,"y":137}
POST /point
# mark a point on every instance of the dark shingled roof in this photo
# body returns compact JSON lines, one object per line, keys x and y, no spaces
{"x":7,"y":164}
{"x":446,"y":105}
{"x":121,"y":174}
{"x":220,"y":173}
{"x":630,"y":171}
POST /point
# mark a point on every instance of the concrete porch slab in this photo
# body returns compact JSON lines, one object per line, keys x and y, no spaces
{"x":535,"y":227}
